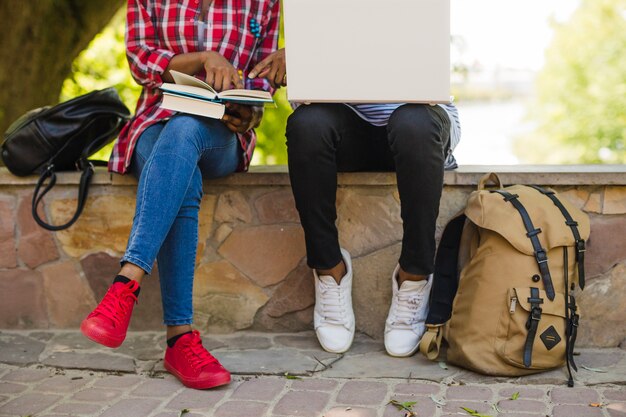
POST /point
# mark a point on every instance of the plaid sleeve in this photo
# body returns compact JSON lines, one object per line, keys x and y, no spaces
{"x":146,"y":59}
{"x":267,"y":45}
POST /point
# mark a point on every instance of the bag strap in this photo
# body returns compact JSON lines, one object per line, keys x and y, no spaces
{"x":445,"y":284}
{"x":540,"y":253}
{"x":83,"y":189}
{"x":532,"y":324}
{"x":580,"y":243}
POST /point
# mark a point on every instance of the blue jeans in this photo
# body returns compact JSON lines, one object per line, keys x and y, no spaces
{"x":170,"y":160}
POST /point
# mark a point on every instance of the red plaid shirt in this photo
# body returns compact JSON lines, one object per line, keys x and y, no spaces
{"x":157,"y":30}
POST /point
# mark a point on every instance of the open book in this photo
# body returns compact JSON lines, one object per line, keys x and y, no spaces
{"x":190,"y":86}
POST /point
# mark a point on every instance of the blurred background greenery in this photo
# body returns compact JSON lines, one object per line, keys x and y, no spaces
{"x":576,"y":109}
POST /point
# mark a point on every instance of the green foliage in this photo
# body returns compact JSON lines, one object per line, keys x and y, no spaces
{"x":581,"y":100}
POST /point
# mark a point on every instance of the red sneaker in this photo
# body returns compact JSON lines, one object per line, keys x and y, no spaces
{"x":108,"y":323}
{"x":193,"y":365}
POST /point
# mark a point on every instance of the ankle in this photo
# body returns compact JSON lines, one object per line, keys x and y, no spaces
{"x":337,"y":272}
{"x":173,"y":331}
{"x":406,"y":276}
{"x":132,"y":272}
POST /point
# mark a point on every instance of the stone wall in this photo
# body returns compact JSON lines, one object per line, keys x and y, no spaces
{"x":250,"y":269}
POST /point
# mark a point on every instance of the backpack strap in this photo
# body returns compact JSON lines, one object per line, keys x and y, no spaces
{"x":540,"y":253}
{"x":532,"y":324}
{"x":445,"y":284}
{"x":580,"y":243}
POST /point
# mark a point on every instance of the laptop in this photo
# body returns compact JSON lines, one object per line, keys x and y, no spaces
{"x":368,"y":51}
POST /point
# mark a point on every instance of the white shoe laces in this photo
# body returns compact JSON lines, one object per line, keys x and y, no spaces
{"x":332,"y":302}
{"x":405,"y":312}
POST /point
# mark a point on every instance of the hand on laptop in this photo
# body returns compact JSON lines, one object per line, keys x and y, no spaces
{"x":273,"y":68}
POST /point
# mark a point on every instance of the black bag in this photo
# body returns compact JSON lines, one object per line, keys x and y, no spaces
{"x":61,"y":138}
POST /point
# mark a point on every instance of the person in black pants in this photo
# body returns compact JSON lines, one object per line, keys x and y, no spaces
{"x":414,"y":140}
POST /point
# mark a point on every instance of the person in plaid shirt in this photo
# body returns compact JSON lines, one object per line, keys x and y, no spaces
{"x":218,"y":41}
{"x":415,"y":141}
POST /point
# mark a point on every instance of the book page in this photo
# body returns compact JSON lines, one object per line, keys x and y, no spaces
{"x":186,"y":79}
{"x":188,"y":90}
{"x":241,"y":93}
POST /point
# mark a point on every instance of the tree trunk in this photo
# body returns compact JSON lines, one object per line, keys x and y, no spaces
{"x":40,"y":40}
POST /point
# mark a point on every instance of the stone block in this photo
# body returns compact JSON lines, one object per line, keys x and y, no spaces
{"x":594,"y":204}
{"x":22,"y":300}
{"x":577,"y":196}
{"x":29,"y":404}
{"x":205,"y":223}
{"x":240,"y":408}
{"x":8,"y":253}
{"x":603,"y":309}
{"x":277,"y":207}
{"x":614,"y":200}
{"x":100,"y":269}
{"x":367,"y":222}
{"x":295,"y":293}
{"x":300,"y":403}
{"x":68,"y":296}
{"x":259,"y":390}
{"x":576,"y":410}
{"x":266,"y":254}
{"x":574,"y":396}
{"x":371,"y":289}
{"x":19,"y":350}
{"x":224,"y":299}
{"x":232,"y":206}
{"x":7,"y":218}
{"x":350,"y":412}
{"x":604,"y":251}
{"x":362,"y":393}
{"x":467,"y":392}
{"x":94,"y":361}
{"x":132,"y":407}
{"x":103,"y":226}
{"x":314,"y":384}
{"x":36,"y":245}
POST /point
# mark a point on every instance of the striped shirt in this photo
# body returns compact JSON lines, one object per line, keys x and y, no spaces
{"x":157,"y":30}
{"x":378,"y":115}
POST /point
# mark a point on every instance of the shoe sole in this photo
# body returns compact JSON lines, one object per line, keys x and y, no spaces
{"x":94,"y":335}
{"x":195,"y":384}
{"x":410,"y":353}
{"x":335,"y":351}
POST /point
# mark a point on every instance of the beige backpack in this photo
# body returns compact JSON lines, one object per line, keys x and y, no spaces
{"x":505,"y":277}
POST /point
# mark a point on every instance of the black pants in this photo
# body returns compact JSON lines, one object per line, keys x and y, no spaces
{"x":323,"y":139}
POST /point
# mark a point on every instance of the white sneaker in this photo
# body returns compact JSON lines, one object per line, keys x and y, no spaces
{"x":333,"y":316}
{"x":405,"y":323}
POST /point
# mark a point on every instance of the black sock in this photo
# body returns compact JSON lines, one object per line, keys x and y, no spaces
{"x":124,"y":280}
{"x":172,"y":340}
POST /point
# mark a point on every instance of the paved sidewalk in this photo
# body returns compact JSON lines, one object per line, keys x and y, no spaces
{"x":59,"y":373}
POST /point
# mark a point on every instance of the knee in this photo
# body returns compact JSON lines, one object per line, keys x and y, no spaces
{"x":309,"y":128}
{"x":412,"y":129}
{"x":183,"y":130}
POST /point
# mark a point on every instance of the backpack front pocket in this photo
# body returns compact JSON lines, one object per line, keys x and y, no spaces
{"x":531,"y":332}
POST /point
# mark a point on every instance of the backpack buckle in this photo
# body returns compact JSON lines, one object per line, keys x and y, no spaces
{"x":541,"y":256}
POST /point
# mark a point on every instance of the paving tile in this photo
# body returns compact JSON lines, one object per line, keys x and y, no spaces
{"x":11,"y":388}
{"x":92,"y":361}
{"x":77,"y":409}
{"x":417,"y":388}
{"x":574,"y":396}
{"x":301,"y":403}
{"x":424,"y":406}
{"x":29,"y":404}
{"x":468,"y":392}
{"x":262,"y":389}
{"x":132,"y":408}
{"x":26,"y":375}
{"x":275,"y":361}
{"x":529,"y":393}
{"x":362,"y":393}
{"x":62,"y":384}
{"x":159,"y":388}
{"x":616,"y":409}
{"x":615,"y":394}
{"x":122,"y":381}
{"x":576,"y":411}
{"x":17,"y":349}
{"x":98,"y":395}
{"x":456,"y":407}
{"x":350,"y":412}
{"x":198,"y":399}
{"x":528,"y":406}
{"x":241,"y":408}
{"x":314,"y":384}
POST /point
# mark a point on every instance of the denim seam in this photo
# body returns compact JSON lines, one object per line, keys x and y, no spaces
{"x":179,"y":322}
{"x":141,"y":264}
